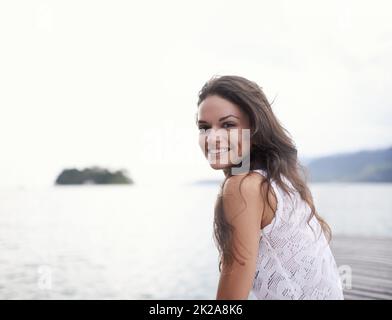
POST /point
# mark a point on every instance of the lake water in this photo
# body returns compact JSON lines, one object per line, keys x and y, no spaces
{"x":140,"y":242}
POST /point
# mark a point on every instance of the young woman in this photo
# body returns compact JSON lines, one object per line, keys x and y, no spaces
{"x":270,"y":238}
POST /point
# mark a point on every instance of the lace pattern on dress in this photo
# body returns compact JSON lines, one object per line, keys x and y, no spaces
{"x":293,"y":263}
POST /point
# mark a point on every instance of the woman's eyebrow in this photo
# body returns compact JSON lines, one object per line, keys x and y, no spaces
{"x":223,"y":118}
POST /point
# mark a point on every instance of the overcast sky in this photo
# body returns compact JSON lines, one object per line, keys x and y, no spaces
{"x":115,"y":83}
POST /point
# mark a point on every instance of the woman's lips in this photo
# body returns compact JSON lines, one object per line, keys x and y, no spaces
{"x":218,"y":150}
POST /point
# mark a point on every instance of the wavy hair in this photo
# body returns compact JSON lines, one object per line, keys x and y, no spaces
{"x":272,"y":149}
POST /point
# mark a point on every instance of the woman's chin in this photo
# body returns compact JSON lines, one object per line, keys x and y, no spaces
{"x":218,"y":166}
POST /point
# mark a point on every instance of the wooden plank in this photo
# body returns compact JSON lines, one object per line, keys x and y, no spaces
{"x":370,"y":260}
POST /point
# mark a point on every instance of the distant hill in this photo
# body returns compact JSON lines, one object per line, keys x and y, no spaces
{"x":94,"y":175}
{"x":305,"y":160}
{"x":362,"y":166}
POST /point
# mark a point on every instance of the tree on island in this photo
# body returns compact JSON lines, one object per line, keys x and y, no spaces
{"x":93,"y":175}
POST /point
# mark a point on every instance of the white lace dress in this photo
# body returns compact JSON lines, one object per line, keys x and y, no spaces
{"x":291,"y":263}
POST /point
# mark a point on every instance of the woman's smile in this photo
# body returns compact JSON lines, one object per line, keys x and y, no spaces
{"x":219,"y":151}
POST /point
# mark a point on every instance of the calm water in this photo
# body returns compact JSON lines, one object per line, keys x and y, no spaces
{"x":139,"y":242}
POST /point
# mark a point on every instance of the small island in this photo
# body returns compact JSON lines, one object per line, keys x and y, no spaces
{"x":93,"y":175}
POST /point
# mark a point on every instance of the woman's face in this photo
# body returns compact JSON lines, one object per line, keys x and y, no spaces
{"x":224,"y":131}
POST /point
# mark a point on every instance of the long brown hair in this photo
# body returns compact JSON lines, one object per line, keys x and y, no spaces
{"x":272,"y":150}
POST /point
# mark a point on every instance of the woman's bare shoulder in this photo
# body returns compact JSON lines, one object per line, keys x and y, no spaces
{"x":248,"y":183}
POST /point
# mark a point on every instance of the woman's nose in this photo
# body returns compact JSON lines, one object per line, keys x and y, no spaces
{"x":216,"y":138}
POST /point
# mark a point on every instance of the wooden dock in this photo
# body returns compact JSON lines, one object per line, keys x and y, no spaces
{"x":370,"y":262}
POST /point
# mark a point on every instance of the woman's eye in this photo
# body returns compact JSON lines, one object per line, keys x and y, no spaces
{"x":225,"y":125}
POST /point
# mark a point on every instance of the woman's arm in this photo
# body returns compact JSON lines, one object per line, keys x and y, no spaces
{"x":244,"y":214}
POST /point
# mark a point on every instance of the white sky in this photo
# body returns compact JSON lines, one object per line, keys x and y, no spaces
{"x":115,"y":83}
